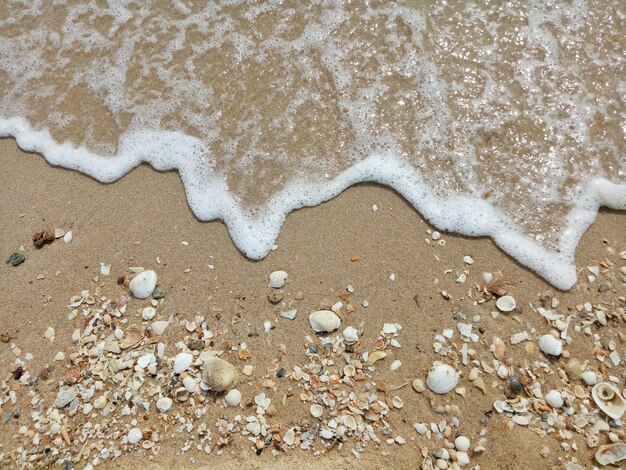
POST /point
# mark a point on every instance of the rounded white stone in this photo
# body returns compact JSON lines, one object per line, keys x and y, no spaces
{"x":550,"y":345}
{"x":589,"y":377}
{"x":143,"y":284}
{"x":134,"y":436}
{"x":233,"y":397}
{"x":324,"y":320}
{"x":554,"y":399}
{"x":462,"y":443}
{"x":164,"y":404}
{"x":277,"y":279}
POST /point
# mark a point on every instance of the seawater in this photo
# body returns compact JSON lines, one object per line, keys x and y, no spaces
{"x":505,"y":119}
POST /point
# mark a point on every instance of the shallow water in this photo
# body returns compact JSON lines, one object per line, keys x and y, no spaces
{"x":491,"y":118}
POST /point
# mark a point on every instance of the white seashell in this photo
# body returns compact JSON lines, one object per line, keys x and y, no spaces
{"x":554,"y":399}
{"x":397,"y":402}
{"x":350,"y":335}
{"x":442,"y":378}
{"x":68,"y":237}
{"x":159,"y":327}
{"x":609,"y":400}
{"x":233,"y":397}
{"x":550,"y":345}
{"x":611,"y":454}
{"x":316,"y":410}
{"x":277,"y":279}
{"x":324,"y":321}
{"x":395,"y":365}
{"x":462,"y":459}
{"x":148,"y":313}
{"x":182,"y":361}
{"x":349,"y":370}
{"x":506,"y":303}
{"x":145,"y":360}
{"x":218,"y":374}
{"x":190,"y":325}
{"x":487,"y":277}
{"x":589,"y":377}
{"x":462,"y":443}
{"x":134,"y":436}
{"x":190,"y":384}
{"x":390,"y":329}
{"x":143,"y":284}
{"x":164,"y":404}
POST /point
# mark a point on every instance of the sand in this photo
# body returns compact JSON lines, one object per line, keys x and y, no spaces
{"x":145,"y":217}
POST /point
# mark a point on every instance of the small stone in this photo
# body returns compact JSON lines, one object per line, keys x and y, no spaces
{"x":350,"y":335}
{"x":16,"y":259}
{"x":143,"y":284}
{"x":554,"y":399}
{"x":148,"y":313}
{"x":289,"y":314}
{"x":418,"y":385}
{"x":277,"y":279}
{"x":589,"y":377}
{"x":60,"y":356}
{"x":574,"y":369}
{"x":462,"y":443}
{"x":233,"y":397}
{"x":164,"y":404}
{"x":134,"y":436}
{"x":49,"y":334}
{"x":158,"y":294}
{"x":550,"y":345}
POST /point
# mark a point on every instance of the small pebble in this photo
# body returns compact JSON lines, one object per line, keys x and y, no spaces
{"x":16,"y":259}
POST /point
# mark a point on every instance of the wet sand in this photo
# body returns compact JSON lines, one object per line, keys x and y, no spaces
{"x":144,"y":216}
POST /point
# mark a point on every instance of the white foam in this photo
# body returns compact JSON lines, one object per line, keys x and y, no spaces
{"x":255,"y":236}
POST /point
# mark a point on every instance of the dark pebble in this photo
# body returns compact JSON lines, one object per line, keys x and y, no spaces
{"x":16,"y":259}
{"x":158,"y":293}
{"x":280,"y":373}
{"x":313,"y":349}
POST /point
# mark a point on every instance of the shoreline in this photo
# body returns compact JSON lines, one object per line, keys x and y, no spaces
{"x":120,"y":224}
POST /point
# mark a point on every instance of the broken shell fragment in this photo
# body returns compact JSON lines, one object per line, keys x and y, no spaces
{"x":324,"y":321}
{"x":143,"y":284}
{"x":609,"y":400}
{"x":550,"y":345}
{"x":277,"y":279}
{"x":316,"y":410}
{"x":376,"y":356}
{"x":218,"y":374}
{"x":182,"y":361}
{"x":611,"y":454}
{"x":442,"y":378}
{"x":350,"y":335}
{"x":506,"y":303}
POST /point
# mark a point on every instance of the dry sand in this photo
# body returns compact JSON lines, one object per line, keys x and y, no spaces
{"x":145,"y":216}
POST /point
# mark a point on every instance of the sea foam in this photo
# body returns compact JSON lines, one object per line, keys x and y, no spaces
{"x":507,"y":121}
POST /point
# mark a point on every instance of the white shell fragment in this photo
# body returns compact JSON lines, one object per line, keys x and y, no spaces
{"x":316,"y":410}
{"x":148,"y":313}
{"x":441,"y":378}
{"x":233,"y":397}
{"x":554,"y":399}
{"x":68,"y":237}
{"x":589,"y":377}
{"x":164,"y":404}
{"x":277,"y":279}
{"x":182,"y":361}
{"x":609,"y":400}
{"x":550,"y":345}
{"x":611,"y":454}
{"x":506,"y":303}
{"x":159,"y":327}
{"x":134,"y":436}
{"x":143,"y":284}
{"x":350,"y":335}
{"x":324,"y":321}
{"x":218,"y":374}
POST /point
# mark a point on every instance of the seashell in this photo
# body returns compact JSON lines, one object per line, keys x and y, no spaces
{"x":349,"y":370}
{"x":316,"y":410}
{"x":218,"y":374}
{"x":182,"y":361}
{"x":164,"y":404}
{"x":554,"y":399}
{"x":497,"y":284}
{"x":506,"y":303}
{"x":350,"y":335}
{"x":233,"y":397}
{"x":397,"y":402}
{"x":134,"y":436}
{"x":132,"y":336}
{"x":190,"y":384}
{"x":277,"y":279}
{"x":442,"y":378}
{"x":609,"y":400}
{"x":418,"y":385}
{"x":181,"y":394}
{"x":65,"y":396}
{"x":462,"y":443}
{"x":159,"y":327}
{"x":589,"y":377}
{"x":324,"y":321}
{"x":190,"y":325}
{"x":499,"y":348}
{"x":574,"y":369}
{"x":143,"y":284}
{"x":376,"y":356}
{"x":611,"y":454}
{"x":148,"y":313}
{"x":550,"y":345}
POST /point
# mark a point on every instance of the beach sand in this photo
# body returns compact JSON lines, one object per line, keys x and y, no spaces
{"x":144,"y":217}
